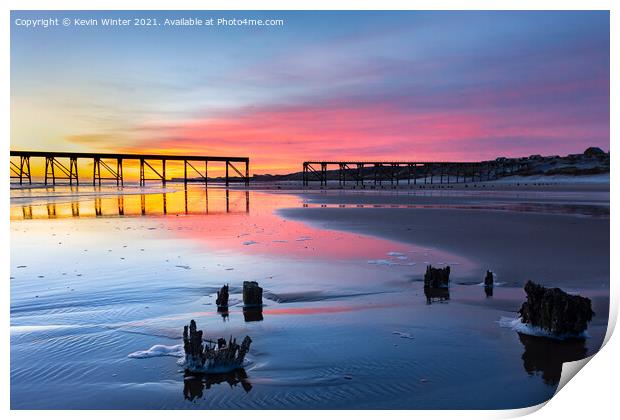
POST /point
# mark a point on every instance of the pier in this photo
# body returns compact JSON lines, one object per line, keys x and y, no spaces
{"x":413,"y":173}
{"x":113,"y":163}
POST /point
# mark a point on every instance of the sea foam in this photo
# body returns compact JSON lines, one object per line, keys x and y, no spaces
{"x":161,"y":350}
{"x":516,"y":324}
{"x":158,"y":350}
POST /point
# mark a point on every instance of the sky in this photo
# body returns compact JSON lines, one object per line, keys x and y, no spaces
{"x":326,"y":85}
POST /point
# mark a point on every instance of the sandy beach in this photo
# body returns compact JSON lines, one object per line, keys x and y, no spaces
{"x":555,"y":235}
{"x":346,"y":322}
{"x":306,"y":209}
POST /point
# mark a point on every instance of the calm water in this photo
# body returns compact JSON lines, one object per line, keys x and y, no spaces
{"x":97,"y":275}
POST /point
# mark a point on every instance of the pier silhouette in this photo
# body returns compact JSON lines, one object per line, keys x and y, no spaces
{"x":375,"y":173}
{"x":113,"y":165}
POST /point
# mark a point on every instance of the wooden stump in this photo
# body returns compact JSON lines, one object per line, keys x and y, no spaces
{"x":222,"y":298}
{"x":488,"y":279}
{"x":220,"y":356}
{"x":437,"y":278}
{"x":252,"y":294}
{"x":555,"y":310}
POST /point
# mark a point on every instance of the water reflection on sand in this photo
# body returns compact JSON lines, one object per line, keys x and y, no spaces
{"x":545,"y":356}
{"x":104,"y":203}
{"x":195,"y":384}
{"x":98,"y":275}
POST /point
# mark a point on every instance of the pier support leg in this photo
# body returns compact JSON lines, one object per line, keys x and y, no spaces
{"x":47,"y":161}
{"x":408,"y":174}
{"x":21,"y":169}
{"x":97,"y":172}
{"x":185,"y":174}
{"x":163,"y":175}
{"x":142,"y":180}
{"x":53,"y":171}
{"x":73,"y":171}
{"x":304,"y":176}
{"x":27,"y":158}
{"x":119,"y":172}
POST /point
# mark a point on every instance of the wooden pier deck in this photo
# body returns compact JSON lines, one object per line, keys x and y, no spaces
{"x":363,"y":172}
{"x":55,"y":169}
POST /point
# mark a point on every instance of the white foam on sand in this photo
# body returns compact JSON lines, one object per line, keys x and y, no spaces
{"x":403,"y":335}
{"x":381,"y":262}
{"x":158,"y":350}
{"x":519,"y":326}
{"x":395,"y":254}
{"x":495,"y":283}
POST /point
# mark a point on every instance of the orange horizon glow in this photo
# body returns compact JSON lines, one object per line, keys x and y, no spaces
{"x":278,"y":140}
{"x":384,"y":86}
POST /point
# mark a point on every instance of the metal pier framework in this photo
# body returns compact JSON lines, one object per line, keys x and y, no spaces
{"x":55,"y":169}
{"x":376,"y":173}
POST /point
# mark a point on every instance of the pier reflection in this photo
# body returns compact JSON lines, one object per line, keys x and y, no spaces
{"x":545,"y":355}
{"x":194,"y":385}
{"x":188,"y":202}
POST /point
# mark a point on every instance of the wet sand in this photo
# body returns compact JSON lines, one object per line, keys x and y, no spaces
{"x":550,"y":237}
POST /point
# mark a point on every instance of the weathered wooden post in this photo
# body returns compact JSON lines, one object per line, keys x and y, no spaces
{"x":437,"y":277}
{"x":488,"y":284}
{"x":222,"y":298}
{"x":252,"y":294}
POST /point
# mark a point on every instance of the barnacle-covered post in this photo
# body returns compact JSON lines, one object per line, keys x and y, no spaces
{"x":555,"y":310}
{"x":222,"y":356}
